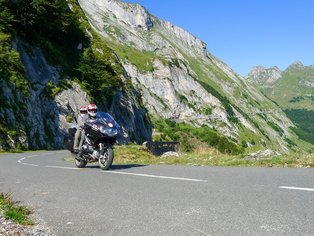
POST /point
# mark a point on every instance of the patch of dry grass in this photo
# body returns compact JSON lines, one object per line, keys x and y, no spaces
{"x":205,"y":156}
{"x":12,"y":210}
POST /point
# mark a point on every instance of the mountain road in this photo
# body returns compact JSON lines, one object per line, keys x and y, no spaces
{"x":160,"y":200}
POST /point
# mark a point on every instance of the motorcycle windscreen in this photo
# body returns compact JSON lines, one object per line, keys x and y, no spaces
{"x":106,"y":119}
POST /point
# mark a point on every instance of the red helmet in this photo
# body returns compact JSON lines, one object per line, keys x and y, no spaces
{"x":91,"y":110}
{"x":83,"y":110}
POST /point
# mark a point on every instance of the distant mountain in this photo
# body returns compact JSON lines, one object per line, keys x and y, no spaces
{"x":264,"y":77}
{"x":293,"y":90}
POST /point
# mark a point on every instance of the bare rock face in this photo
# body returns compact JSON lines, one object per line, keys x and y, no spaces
{"x":167,"y":92}
{"x":35,"y":118}
{"x":132,"y":15}
{"x":132,"y":117}
{"x":131,"y":23}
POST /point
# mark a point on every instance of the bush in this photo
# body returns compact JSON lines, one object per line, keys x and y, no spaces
{"x":11,"y":67}
{"x":304,"y":120}
{"x":185,"y":144}
{"x":185,"y":134}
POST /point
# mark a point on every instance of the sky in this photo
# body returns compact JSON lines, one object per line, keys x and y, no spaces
{"x":245,"y":33}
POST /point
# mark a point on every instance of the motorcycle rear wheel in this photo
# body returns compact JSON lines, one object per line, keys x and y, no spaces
{"x":106,"y":159}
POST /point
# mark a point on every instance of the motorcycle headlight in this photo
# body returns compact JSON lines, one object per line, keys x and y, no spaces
{"x":109,"y":131}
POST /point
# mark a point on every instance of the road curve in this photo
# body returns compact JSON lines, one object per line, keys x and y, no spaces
{"x":160,"y":200}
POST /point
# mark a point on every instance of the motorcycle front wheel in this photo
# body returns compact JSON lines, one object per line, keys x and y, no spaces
{"x":78,"y":162}
{"x":106,"y":158}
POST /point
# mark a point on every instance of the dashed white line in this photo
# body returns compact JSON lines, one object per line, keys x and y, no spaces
{"x":155,"y":176}
{"x":63,"y":167}
{"x":27,"y":164}
{"x":297,"y":188}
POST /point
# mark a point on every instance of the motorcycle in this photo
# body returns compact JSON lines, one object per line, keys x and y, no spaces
{"x":97,"y":144}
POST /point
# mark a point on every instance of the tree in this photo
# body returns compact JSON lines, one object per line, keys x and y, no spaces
{"x":97,"y":74}
{"x":48,"y":19}
{"x":6,"y":17}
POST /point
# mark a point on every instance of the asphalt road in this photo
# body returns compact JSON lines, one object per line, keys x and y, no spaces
{"x":160,"y":200}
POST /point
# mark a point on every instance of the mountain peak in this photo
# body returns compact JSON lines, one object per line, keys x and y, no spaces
{"x":262,"y":75}
{"x":295,"y":65}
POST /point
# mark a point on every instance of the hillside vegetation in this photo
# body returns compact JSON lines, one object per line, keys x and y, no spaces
{"x":292,"y":91}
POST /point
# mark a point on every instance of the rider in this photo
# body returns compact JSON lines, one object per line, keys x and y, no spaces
{"x":81,"y":118}
{"x":92,"y":112}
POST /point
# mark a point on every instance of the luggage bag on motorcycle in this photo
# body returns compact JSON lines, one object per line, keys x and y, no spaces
{"x":70,"y":138}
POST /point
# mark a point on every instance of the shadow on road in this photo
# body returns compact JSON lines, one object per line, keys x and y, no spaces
{"x":121,"y":167}
{"x":116,"y":167}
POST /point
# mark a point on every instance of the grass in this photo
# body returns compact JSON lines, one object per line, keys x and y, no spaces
{"x":13,"y":211}
{"x":7,"y":151}
{"x":143,"y":60}
{"x":205,"y":156}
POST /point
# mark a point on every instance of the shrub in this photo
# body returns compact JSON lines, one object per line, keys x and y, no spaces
{"x":185,"y":134}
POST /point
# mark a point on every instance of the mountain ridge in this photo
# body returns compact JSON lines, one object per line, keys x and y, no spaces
{"x":294,"y":82}
{"x":293,"y":91}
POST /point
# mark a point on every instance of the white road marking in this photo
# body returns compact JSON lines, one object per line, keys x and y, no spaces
{"x":114,"y":172}
{"x":20,"y":161}
{"x":155,"y":176}
{"x":63,"y":167}
{"x":297,"y":188}
{"x":26,"y":164}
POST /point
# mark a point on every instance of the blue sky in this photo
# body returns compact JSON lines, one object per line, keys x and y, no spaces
{"x":245,"y":33}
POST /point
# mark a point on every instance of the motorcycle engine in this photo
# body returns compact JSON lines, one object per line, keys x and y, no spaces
{"x":87,"y":149}
{"x":96,"y":154}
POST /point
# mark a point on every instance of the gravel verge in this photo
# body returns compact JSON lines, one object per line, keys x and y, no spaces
{"x":10,"y":228}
